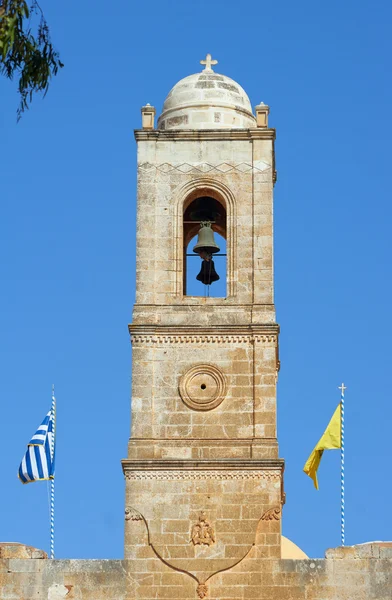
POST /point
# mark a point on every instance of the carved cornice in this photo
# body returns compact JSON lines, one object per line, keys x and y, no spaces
{"x":201,"y":475}
{"x":204,"y":134}
{"x":270,"y":470}
{"x":256,"y":329}
{"x":259,"y":334}
{"x":217,"y":339}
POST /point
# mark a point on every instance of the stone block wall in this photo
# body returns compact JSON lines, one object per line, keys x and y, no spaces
{"x":353,"y":573}
{"x":202,"y":521}
{"x":163,"y":422}
{"x":203,"y":439}
{"x":237,"y":169}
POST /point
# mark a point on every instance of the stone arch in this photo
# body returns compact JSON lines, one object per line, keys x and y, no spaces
{"x":196,"y":188}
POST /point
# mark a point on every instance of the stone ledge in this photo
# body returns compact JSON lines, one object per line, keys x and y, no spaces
{"x":373,"y":550}
{"x":222,"y":464}
{"x":267,"y":329}
{"x":11,"y":550}
{"x":204,"y":134}
{"x":265,"y":334}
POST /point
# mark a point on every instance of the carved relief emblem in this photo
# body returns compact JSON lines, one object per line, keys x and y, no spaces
{"x":203,"y":532}
{"x":273,"y":514}
{"x":202,"y":590}
{"x":132,"y":515}
{"x":203,"y":387}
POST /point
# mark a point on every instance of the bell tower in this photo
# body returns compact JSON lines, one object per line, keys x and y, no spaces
{"x":204,"y":483}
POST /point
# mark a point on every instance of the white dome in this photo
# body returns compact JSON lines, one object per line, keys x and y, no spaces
{"x":207,"y":100}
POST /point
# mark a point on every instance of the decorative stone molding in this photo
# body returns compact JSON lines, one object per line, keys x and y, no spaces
{"x":202,"y":532}
{"x":202,"y":590}
{"x":131,"y":514}
{"x":223,"y":465}
{"x":203,"y":535}
{"x":203,"y":387}
{"x":209,"y":339}
{"x":271,"y":329}
{"x":225,"y":167}
{"x":265,"y":339}
{"x":201,"y":475}
{"x":273,"y":514}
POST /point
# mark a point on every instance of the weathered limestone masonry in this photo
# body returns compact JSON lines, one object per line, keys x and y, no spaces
{"x":352,"y":573}
{"x":204,"y":481}
{"x":204,"y":484}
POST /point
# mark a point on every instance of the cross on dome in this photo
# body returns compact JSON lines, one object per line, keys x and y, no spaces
{"x":219,"y":103}
{"x":208,"y":62}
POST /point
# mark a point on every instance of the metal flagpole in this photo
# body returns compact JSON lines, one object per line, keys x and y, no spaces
{"x":342,"y":523}
{"x":52,"y":480}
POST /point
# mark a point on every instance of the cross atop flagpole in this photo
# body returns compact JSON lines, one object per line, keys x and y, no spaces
{"x":342,"y":388}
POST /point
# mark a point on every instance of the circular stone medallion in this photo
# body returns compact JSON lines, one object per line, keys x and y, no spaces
{"x":203,"y":387}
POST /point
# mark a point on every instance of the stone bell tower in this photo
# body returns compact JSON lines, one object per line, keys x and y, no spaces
{"x":204,"y":483}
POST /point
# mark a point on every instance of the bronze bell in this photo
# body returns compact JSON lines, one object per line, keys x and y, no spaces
{"x":207,"y":273}
{"x":205,"y":240}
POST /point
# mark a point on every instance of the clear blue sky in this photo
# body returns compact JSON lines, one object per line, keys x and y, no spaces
{"x":68,"y":251}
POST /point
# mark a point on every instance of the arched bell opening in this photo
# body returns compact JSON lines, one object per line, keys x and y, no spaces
{"x":204,"y":247}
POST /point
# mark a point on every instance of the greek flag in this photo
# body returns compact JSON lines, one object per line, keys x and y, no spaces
{"x":38,"y":462}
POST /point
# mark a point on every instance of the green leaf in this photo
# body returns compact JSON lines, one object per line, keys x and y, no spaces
{"x":26,"y":51}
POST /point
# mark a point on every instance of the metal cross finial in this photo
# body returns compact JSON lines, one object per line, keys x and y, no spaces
{"x":342,"y":388}
{"x":208,"y":62}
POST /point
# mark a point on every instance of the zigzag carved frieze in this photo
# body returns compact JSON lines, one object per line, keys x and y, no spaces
{"x":203,"y":339}
{"x":223,"y":167}
{"x":267,"y":475}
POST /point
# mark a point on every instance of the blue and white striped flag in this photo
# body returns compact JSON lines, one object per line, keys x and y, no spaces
{"x":38,"y":462}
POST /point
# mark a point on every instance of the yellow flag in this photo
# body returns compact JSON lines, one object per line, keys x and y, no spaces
{"x":330,"y":439}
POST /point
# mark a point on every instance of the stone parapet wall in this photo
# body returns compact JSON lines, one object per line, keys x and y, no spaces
{"x":353,"y":573}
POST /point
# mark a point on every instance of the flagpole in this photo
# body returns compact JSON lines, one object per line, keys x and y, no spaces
{"x":342,"y":521}
{"x":53,"y":410}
